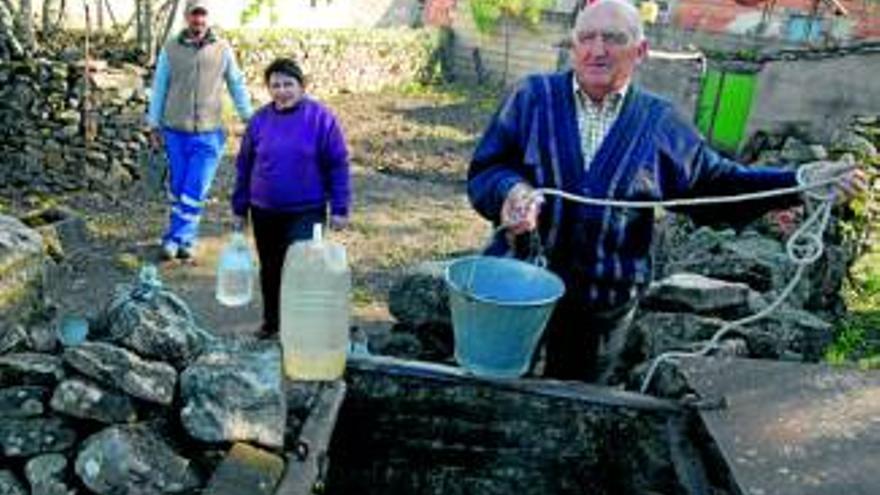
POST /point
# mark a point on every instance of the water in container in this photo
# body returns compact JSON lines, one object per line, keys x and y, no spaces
{"x":235,"y":273}
{"x":314,"y":314}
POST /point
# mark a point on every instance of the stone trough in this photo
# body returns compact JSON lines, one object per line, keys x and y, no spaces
{"x":410,"y":427}
{"x":755,"y":427}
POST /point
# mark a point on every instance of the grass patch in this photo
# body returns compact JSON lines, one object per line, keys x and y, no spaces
{"x":483,"y":96}
{"x":858,"y":335}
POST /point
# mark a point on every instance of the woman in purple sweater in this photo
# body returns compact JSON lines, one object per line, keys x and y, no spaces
{"x":292,"y":164}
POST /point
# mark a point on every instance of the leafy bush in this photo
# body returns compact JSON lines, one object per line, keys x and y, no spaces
{"x":487,"y":13}
{"x":343,"y":60}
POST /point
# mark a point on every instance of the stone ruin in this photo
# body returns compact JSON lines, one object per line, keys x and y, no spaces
{"x":51,"y":144}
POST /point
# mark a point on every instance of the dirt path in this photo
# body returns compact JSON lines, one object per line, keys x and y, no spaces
{"x":409,"y":155}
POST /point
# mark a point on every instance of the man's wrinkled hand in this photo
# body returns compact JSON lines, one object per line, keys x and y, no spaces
{"x":844,"y":178}
{"x":520,"y":210}
{"x":156,"y":138}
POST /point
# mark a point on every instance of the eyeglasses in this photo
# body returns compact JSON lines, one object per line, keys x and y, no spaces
{"x":614,"y":38}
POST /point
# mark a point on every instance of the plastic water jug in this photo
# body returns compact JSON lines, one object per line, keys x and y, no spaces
{"x":235,"y":273}
{"x":315,"y":288}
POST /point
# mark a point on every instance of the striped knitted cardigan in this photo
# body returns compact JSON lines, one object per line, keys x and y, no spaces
{"x":650,"y":153}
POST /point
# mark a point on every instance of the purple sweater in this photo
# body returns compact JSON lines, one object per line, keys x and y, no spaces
{"x":293,"y":160}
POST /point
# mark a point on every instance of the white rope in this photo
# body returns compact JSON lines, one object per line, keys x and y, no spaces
{"x":801,"y":254}
{"x":672,"y":203}
{"x":803,"y":247}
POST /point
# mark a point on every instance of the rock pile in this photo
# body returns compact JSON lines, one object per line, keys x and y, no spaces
{"x":22,"y":267}
{"x":145,"y":402}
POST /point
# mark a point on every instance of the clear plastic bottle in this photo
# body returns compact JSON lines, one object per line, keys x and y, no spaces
{"x":235,"y":273}
{"x":314,"y":313}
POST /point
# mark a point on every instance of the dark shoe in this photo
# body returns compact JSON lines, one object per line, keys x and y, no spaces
{"x":266,"y":333}
{"x":185,"y":253}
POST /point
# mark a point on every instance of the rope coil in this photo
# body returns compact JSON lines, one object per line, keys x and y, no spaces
{"x":804,"y":247}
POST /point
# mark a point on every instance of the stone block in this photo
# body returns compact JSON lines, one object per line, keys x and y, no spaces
{"x":246,"y":469}
{"x":152,"y":381}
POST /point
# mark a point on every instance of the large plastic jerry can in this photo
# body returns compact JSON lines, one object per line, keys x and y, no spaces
{"x":314,"y":309}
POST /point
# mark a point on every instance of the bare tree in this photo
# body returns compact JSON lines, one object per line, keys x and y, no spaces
{"x":140,"y":22}
{"x":113,"y":22}
{"x":53,"y":14}
{"x":169,"y":22}
{"x":26,"y":24}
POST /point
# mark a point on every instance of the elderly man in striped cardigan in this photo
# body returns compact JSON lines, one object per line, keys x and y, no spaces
{"x":592,"y":131}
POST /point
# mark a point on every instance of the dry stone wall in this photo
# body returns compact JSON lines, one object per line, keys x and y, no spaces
{"x":43,"y":129}
{"x":340,"y":61}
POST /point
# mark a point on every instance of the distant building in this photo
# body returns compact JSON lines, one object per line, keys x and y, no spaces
{"x":438,"y":12}
{"x":791,"y":20}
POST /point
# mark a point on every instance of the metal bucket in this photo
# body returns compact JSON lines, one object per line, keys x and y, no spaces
{"x":500,"y":307}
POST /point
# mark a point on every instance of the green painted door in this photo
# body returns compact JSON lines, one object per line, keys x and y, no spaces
{"x":724,"y":106}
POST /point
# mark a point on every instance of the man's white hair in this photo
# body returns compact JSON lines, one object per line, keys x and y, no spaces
{"x":629,"y":11}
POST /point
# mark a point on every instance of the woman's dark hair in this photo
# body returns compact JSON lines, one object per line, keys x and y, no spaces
{"x":286,"y":66}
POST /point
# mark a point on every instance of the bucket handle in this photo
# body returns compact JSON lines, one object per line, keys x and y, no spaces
{"x":536,"y":255}
{"x":536,"y":250}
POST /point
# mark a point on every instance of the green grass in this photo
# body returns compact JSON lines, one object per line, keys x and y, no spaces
{"x":858,"y":335}
{"x":361,"y":296}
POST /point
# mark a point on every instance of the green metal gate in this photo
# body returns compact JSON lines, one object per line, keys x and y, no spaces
{"x":724,"y":106}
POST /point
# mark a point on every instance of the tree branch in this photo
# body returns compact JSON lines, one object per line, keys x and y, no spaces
{"x":169,"y":22}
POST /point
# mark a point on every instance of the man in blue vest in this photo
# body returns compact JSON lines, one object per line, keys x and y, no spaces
{"x":185,"y":114}
{"x":592,"y":132}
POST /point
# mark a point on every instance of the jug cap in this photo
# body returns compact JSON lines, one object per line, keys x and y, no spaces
{"x":317,"y":232}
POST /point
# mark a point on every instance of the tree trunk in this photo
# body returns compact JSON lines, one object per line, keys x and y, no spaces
{"x":47,"y":16}
{"x":169,"y":23}
{"x":53,"y":16}
{"x":88,"y":119}
{"x":148,"y":30}
{"x":113,"y":23}
{"x":99,"y":15}
{"x":26,"y":24}
{"x":139,"y":23}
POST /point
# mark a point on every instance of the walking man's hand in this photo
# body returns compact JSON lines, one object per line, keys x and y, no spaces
{"x":156,"y":138}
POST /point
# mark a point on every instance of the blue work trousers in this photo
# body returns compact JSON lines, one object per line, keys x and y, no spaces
{"x":192,"y":163}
